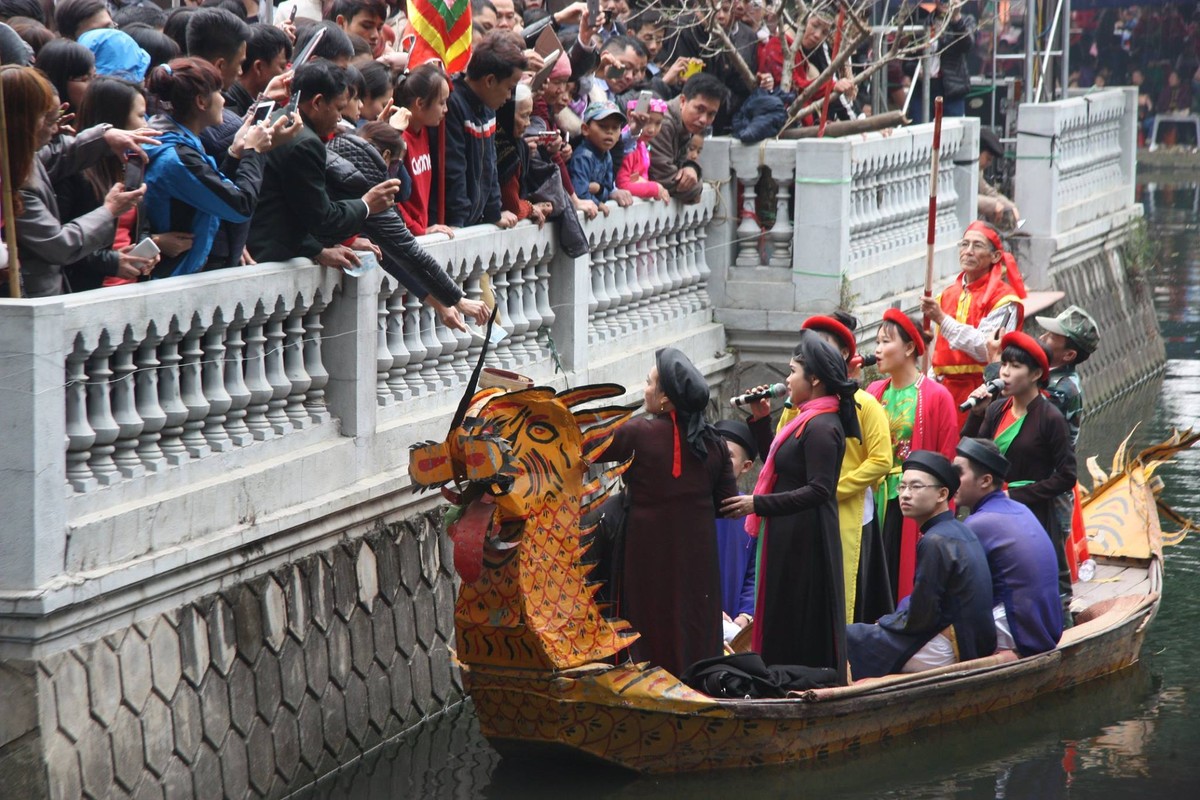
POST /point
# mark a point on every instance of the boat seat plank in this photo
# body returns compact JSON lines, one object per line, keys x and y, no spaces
{"x":1113,"y":580}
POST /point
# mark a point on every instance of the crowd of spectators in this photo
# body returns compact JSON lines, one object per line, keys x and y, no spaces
{"x":147,"y":144}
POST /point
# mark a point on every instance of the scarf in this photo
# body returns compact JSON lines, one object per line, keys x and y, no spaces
{"x":767,"y":477}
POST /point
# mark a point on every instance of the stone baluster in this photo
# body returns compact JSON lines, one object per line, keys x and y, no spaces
{"x":603,"y":301}
{"x":647,"y":248}
{"x":532,"y":314}
{"x":314,"y":362}
{"x":80,"y":436}
{"x":394,"y":320}
{"x":433,"y":349}
{"x":383,"y":355}
{"x":518,"y":325}
{"x":782,"y":232}
{"x":170,"y":397}
{"x":748,"y":229}
{"x":213,"y":380}
{"x":281,"y":385}
{"x":473,"y":291}
{"x":688,"y":277}
{"x":256,"y":376}
{"x":622,"y":294}
{"x":414,"y":345}
{"x":100,"y":417}
{"x":593,"y":306}
{"x":542,"y":273}
{"x":445,"y":359}
{"x":125,"y":412}
{"x":653,"y":251}
{"x":630,"y":266}
{"x":610,"y":284}
{"x":703,"y":272}
{"x":500,"y":355}
{"x":235,"y":382}
{"x":146,"y":392}
{"x":191,"y":389}
{"x":293,"y":366}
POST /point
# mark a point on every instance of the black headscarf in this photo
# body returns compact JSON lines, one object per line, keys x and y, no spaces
{"x":685,"y":387}
{"x":822,"y":361}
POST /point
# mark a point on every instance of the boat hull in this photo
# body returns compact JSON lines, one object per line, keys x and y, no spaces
{"x":610,"y":715}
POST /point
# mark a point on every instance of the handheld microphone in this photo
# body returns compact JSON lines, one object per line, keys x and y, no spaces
{"x":864,"y":360}
{"x":994,"y":388}
{"x":774,"y":390}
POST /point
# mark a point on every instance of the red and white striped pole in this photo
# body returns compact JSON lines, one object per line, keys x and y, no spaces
{"x":931,"y":235}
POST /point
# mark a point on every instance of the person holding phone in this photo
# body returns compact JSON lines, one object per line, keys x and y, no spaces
{"x":186,"y":190}
{"x":47,"y":240}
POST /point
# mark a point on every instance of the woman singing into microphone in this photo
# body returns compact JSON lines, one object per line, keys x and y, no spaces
{"x":921,"y":416}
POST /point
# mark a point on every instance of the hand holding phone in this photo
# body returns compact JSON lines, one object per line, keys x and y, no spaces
{"x":262,"y":111}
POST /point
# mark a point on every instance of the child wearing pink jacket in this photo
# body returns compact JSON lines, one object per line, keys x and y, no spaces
{"x":633,"y":174}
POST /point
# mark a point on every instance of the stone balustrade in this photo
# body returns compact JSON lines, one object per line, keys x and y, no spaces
{"x":154,"y":428}
{"x":850,"y":222}
{"x":1076,"y":160}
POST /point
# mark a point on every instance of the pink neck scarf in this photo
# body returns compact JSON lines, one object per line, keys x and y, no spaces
{"x":766,"y":478}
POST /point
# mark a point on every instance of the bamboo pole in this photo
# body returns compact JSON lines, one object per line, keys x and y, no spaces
{"x":10,"y":218}
{"x":931,"y":234}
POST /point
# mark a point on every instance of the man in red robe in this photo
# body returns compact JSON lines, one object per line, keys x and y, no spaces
{"x":984,"y":297}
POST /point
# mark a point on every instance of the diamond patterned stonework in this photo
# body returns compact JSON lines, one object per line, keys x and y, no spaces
{"x":260,"y":689}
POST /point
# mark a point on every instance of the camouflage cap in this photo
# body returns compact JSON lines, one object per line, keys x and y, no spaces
{"x":1075,"y":324}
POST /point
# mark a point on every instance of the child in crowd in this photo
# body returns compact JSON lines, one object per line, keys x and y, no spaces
{"x":353,"y":110}
{"x":695,"y":146}
{"x":377,"y":92}
{"x":634,"y":173}
{"x":736,"y":549}
{"x":423,"y":92}
{"x":591,"y":165}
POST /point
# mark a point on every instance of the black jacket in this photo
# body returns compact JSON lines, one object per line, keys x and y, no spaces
{"x":470,"y":159}
{"x":296,"y":217}
{"x":353,"y":167}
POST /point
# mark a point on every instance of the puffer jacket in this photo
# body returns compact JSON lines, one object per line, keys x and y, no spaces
{"x":353,"y":166}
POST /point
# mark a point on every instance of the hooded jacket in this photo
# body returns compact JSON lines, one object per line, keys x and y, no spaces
{"x":185,"y":191}
{"x":353,"y":166}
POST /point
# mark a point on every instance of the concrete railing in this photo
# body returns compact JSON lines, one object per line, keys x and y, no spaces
{"x":1076,"y":160}
{"x":151,"y":428}
{"x":850,"y":223}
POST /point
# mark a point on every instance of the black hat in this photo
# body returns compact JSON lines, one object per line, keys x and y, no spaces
{"x":737,"y":431}
{"x":990,"y":458}
{"x":990,"y":142}
{"x":936,"y":465}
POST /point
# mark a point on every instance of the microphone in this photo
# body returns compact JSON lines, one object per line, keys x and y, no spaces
{"x":861,"y":360}
{"x":774,"y":390}
{"x":994,"y":388}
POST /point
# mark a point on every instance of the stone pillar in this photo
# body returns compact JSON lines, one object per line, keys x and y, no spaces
{"x":1037,"y":179}
{"x":570,"y":282}
{"x":1129,"y":137}
{"x":719,"y":235}
{"x":821,"y":237}
{"x":350,"y":343}
{"x":33,"y":476}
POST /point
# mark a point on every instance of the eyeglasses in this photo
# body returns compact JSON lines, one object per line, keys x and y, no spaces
{"x":979,"y":247}
{"x":912,"y":488}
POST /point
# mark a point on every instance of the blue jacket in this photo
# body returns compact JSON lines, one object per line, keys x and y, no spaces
{"x":185,"y":191}
{"x":472,"y":186}
{"x":589,"y":165}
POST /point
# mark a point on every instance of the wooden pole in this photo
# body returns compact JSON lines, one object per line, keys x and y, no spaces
{"x":888,"y":119}
{"x":931,"y":234}
{"x":10,"y":217}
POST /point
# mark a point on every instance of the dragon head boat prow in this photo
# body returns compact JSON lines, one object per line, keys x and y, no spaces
{"x":518,"y":463}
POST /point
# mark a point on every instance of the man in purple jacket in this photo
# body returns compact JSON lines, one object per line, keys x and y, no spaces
{"x":736,"y":549}
{"x":1021,"y":556}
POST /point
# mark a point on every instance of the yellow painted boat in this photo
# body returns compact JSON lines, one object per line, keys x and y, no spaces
{"x":537,"y":652}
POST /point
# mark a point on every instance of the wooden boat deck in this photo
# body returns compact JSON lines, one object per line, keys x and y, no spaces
{"x":1113,"y":579}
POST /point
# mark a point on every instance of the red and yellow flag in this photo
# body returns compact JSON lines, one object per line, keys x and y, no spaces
{"x":443,"y":30}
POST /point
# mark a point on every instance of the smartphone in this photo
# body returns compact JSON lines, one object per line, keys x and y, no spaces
{"x":293,"y":104}
{"x":146,"y":248}
{"x":694,"y":66}
{"x":262,"y":111}
{"x":135,"y":170}
{"x":643,"y":101}
{"x":304,"y":55}
{"x":613,"y":73}
{"x":593,"y":9}
{"x":292,"y":15}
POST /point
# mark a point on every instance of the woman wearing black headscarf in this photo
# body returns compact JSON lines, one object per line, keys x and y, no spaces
{"x":800,"y":610}
{"x":669,"y":586}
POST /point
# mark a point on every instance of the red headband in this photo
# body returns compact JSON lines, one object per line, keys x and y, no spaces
{"x":1030,"y":345}
{"x":898,"y":317}
{"x":831,"y":325}
{"x":989,"y":232}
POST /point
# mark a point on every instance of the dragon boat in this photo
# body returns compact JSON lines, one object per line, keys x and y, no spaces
{"x":540,"y":657}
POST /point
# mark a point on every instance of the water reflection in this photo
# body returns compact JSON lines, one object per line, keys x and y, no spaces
{"x":1131,"y":735}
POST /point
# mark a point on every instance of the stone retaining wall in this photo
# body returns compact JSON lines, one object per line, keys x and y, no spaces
{"x":251,"y":692}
